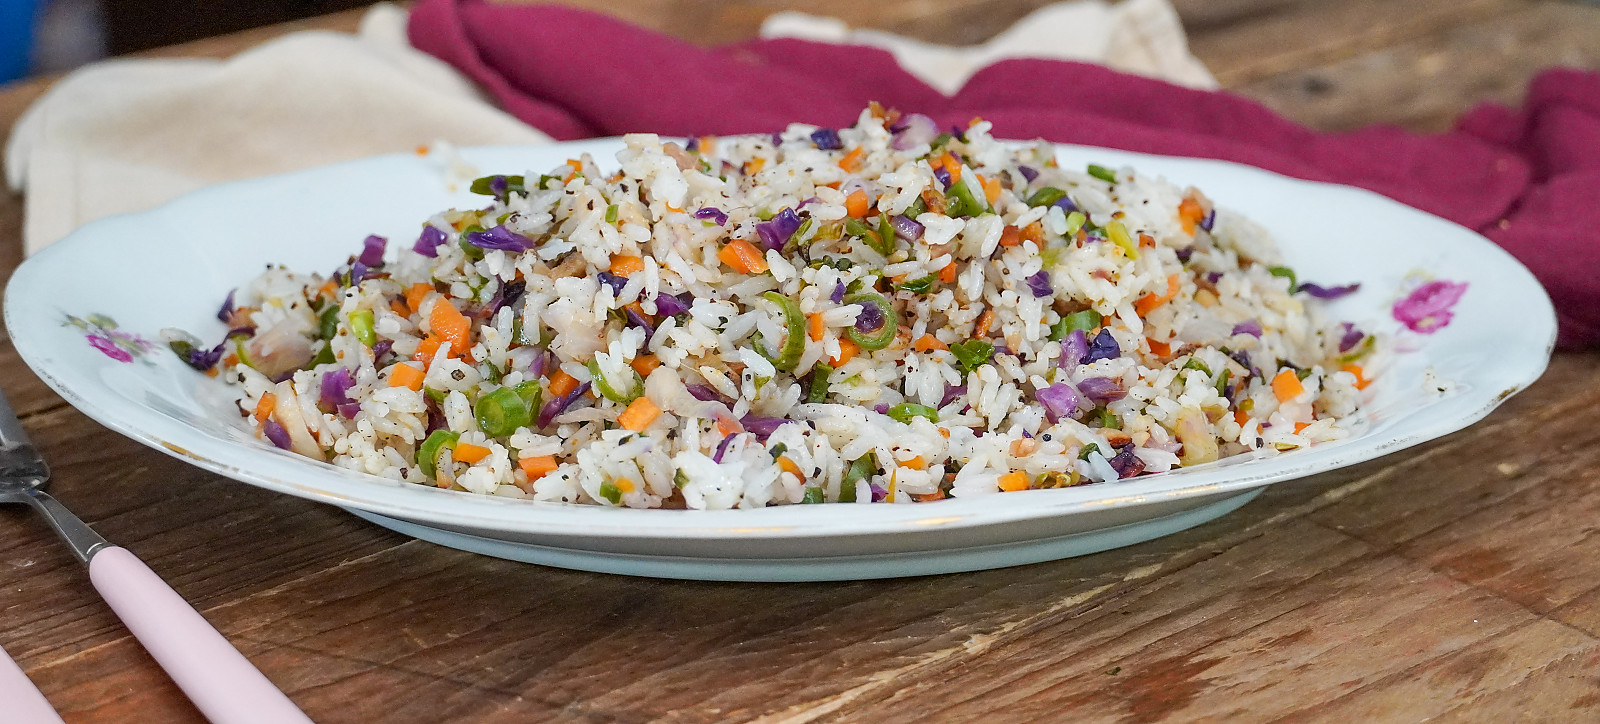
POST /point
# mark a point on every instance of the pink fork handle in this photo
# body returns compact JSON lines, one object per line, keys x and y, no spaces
{"x":23,"y":702}
{"x":220,"y":681}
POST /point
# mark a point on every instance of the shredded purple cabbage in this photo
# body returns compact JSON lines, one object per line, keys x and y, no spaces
{"x":762,"y":426}
{"x":611,"y":280}
{"x":837,"y":297}
{"x":275,"y":433}
{"x":672,"y":305}
{"x":358,"y":271}
{"x":879,"y":493}
{"x":943,"y":176}
{"x":1073,"y":349}
{"x":1427,"y":309}
{"x":1248,"y":326}
{"x":1104,"y":346}
{"x":705,"y":393}
{"x":951,"y":392}
{"x":722,"y":447}
{"x":1322,"y":292}
{"x":776,"y":231}
{"x":500,"y":238}
{"x":381,"y":348}
{"x":1209,"y":221}
{"x":635,"y":319}
{"x":336,"y":384}
{"x":1243,"y":358}
{"x":555,"y":407}
{"x":712,"y":214}
{"x":1040,"y":284}
{"x":881,"y":408}
{"x":372,"y":249}
{"x":914,"y":130}
{"x":428,"y":241}
{"x":907,"y":228}
{"x":1184,"y":255}
{"x":245,"y":332}
{"x":1350,"y":338}
{"x":1101,"y":390}
{"x":1028,"y":173}
{"x":870,"y":319}
{"x":203,"y":359}
{"x":1126,"y":463}
{"x":1214,"y":277}
{"x":1059,"y":400}
{"x":1065,"y":204}
{"x":827,"y":139}
{"x":225,"y":314}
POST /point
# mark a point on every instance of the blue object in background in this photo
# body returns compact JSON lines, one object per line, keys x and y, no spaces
{"x":17,"y":18}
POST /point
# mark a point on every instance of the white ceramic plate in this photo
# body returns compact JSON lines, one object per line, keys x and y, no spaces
{"x":125,"y":278}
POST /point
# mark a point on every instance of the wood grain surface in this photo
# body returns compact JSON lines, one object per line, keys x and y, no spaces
{"x":1457,"y":581}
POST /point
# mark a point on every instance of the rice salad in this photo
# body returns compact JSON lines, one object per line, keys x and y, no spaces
{"x":882,"y":313}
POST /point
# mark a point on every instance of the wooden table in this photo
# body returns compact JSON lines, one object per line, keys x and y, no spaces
{"x":1460,"y":579}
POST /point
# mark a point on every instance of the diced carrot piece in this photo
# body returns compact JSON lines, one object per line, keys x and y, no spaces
{"x":1300,"y":427}
{"x":265,"y":406}
{"x":562,"y":384}
{"x":644,"y":364}
{"x":1190,"y":214}
{"x":1010,"y":236}
{"x":640,"y":413}
{"x":1287,"y":386}
{"x":1013,"y":481}
{"x":945,"y":432}
{"x":991,"y":188}
{"x":744,"y":257}
{"x":1159,"y":349}
{"x":623,"y":264}
{"x":1033,"y":232}
{"x":538,"y":466}
{"x":728,"y":425}
{"x":426,"y":349}
{"x":1147,"y":241}
{"x":469,"y":453}
{"x":754,"y":166}
{"x":847,"y":350}
{"x":929,"y":497}
{"x":815,"y":327}
{"x":852,"y":160}
{"x":952,"y":166}
{"x":399,"y":307}
{"x":948,"y":273}
{"x":916,"y":463}
{"x":625,"y":485}
{"x":450,"y":325}
{"x":928,"y":343}
{"x":790,"y":467}
{"x":985,"y":321}
{"x":1150,"y":302}
{"x":1241,"y":417}
{"x":405,"y":375}
{"x":1361,"y":377}
{"x":416,"y":293}
{"x":856,"y":204}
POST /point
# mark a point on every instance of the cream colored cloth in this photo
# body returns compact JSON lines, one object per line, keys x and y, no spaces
{"x":129,"y":135}
{"x":1143,"y":37}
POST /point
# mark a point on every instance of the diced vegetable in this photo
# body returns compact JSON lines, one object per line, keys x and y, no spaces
{"x":450,"y":325}
{"x":402,"y":374}
{"x":794,"y":342}
{"x":1102,"y":173}
{"x":972,"y":354}
{"x":904,"y":411}
{"x":501,"y":412}
{"x":640,"y":413}
{"x":428,"y":454}
{"x":1286,"y":385}
{"x":361,"y":325}
{"x":538,"y":466}
{"x":743,"y":256}
{"x":1014,"y":481}
{"x":1118,"y":234}
{"x":470,"y":454}
{"x":877,"y":324}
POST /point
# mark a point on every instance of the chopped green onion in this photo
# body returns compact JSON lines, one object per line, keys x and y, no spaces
{"x":328,"y":322}
{"x":885,"y":333}
{"x":472,"y":251}
{"x":972,"y":354}
{"x":1222,"y":382}
{"x":799,"y":233}
{"x":920,"y":286}
{"x":324,"y":355}
{"x":765,"y":214}
{"x":1090,"y":448}
{"x":513,"y":185}
{"x":1046,"y":196}
{"x":962,"y":202}
{"x":904,"y":411}
{"x":1118,"y":234}
{"x":1360,"y":351}
{"x":1085,"y":320}
{"x":794,"y":342}
{"x":361,"y":325}
{"x":819,"y":383}
{"x":1194,"y":363}
{"x":1109,"y":420}
{"x":1075,"y":221}
{"x":501,"y":412}
{"x":611,"y":492}
{"x":532,"y":395}
{"x":941,"y":140}
{"x":611,"y":214}
{"x":1060,"y":330}
{"x":863,"y":467}
{"x":428,"y":454}
{"x":1286,"y":273}
{"x":918,"y":208}
{"x":680,"y":479}
{"x":609,"y":391}
{"x":812,"y":496}
{"x":1302,"y":374}
{"x":1102,"y":173}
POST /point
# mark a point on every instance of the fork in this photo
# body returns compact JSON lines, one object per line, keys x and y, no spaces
{"x":221,"y":682}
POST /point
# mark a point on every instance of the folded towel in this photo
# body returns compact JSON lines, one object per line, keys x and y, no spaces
{"x":1527,"y":179}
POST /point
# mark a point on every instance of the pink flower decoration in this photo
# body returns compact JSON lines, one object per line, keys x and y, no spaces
{"x":1427,"y":308}
{"x":109,"y":348}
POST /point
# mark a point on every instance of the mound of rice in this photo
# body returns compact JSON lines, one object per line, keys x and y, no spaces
{"x":883,"y":313}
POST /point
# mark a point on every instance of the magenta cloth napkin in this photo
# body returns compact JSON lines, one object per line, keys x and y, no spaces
{"x":1529,"y":179}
